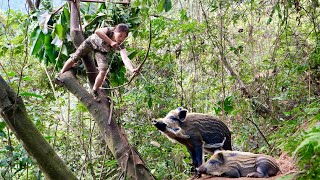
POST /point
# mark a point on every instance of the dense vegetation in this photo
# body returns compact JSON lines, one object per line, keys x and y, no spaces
{"x":272,"y":49}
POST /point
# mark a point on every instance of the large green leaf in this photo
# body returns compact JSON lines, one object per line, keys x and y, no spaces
{"x":2,"y":125}
{"x":160,"y":6}
{"x":49,"y":48}
{"x":312,"y":137}
{"x":167,"y":5}
{"x":60,"y":31}
{"x":38,"y":38}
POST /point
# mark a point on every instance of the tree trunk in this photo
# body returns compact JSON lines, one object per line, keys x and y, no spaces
{"x":126,"y":155}
{"x":14,"y":113}
{"x":128,"y":158}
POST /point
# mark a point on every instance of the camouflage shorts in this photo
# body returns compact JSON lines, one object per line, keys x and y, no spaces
{"x":102,"y":54}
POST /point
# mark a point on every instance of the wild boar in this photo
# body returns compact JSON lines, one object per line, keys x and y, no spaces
{"x":196,"y":131}
{"x":239,"y":164}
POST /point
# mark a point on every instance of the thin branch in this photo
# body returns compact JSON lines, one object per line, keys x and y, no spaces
{"x":58,"y":9}
{"x":264,"y":138}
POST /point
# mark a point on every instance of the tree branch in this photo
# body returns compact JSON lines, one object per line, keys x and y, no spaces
{"x":14,"y":113}
{"x":30,"y":4}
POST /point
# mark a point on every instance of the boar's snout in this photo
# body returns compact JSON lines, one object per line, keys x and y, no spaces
{"x":159,"y":125}
{"x":202,"y":170}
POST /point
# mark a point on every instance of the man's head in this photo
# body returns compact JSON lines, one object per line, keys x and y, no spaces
{"x":121,"y":32}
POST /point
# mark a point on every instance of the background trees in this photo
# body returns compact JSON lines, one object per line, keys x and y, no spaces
{"x":203,"y":55}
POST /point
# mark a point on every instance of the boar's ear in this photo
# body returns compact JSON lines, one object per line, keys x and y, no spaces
{"x":182,"y":114}
{"x":220,"y":157}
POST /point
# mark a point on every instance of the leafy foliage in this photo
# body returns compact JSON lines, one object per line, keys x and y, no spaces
{"x":272,"y":46}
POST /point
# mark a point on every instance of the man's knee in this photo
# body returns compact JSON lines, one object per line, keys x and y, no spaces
{"x":102,"y":67}
{"x":103,"y":72}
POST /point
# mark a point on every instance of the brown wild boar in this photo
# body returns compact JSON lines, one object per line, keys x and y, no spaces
{"x":239,"y":164}
{"x":196,"y":131}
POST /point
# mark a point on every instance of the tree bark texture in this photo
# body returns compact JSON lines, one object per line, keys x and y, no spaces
{"x":14,"y":113}
{"x":128,"y":158}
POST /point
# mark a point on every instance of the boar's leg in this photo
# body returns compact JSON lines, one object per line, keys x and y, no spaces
{"x":196,"y":155}
{"x":262,"y":172}
{"x":233,"y":173}
{"x":265,"y":168}
{"x":178,"y":132}
{"x":256,"y":175}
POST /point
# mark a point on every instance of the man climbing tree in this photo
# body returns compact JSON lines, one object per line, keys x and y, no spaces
{"x":103,"y":42}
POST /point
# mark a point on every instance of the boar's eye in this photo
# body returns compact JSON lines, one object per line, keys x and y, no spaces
{"x":214,"y":162}
{"x":174,"y":118}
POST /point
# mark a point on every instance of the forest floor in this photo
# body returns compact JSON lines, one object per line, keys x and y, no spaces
{"x":285,"y":162}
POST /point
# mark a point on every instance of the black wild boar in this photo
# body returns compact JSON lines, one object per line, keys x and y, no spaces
{"x":239,"y":164}
{"x":196,"y":131}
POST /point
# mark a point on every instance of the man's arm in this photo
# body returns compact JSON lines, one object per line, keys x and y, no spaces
{"x":126,"y":60}
{"x":102,"y":33}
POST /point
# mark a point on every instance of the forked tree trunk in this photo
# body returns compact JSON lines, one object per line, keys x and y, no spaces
{"x":14,"y":113}
{"x":128,"y":158}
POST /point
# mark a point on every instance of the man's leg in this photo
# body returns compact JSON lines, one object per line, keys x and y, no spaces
{"x":84,"y":49}
{"x":99,"y":80}
{"x":102,"y":62}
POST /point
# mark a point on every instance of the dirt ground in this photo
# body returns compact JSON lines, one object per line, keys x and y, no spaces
{"x":286,"y":164}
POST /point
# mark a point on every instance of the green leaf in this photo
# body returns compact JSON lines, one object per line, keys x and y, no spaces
{"x":150,"y":103}
{"x":167,"y":5}
{"x":66,"y":14}
{"x":110,"y":163}
{"x":11,"y":73}
{"x":49,"y":48}
{"x":37,"y":42}
{"x":132,"y":54}
{"x":28,"y":94}
{"x":48,"y":137}
{"x":3,"y":134}
{"x":2,"y":125}
{"x":269,"y":20}
{"x":27,"y":78}
{"x":161,"y":6}
{"x":312,"y":137}
{"x":183,"y":15}
{"x":59,"y":30}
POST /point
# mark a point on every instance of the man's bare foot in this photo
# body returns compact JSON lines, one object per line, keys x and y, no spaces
{"x":95,"y":95}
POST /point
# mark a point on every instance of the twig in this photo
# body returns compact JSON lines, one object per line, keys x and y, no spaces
{"x":58,"y":9}
{"x":57,"y":59}
{"x":140,"y":66}
{"x":264,"y":138}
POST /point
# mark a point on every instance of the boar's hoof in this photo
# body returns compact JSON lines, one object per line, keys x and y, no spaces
{"x":256,"y":175}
